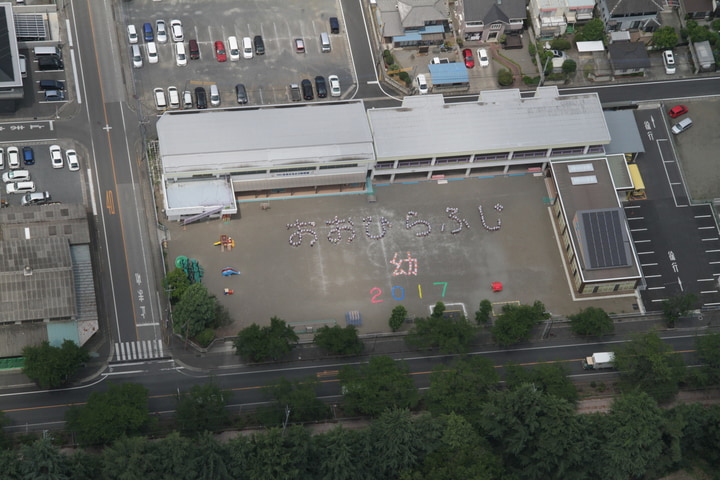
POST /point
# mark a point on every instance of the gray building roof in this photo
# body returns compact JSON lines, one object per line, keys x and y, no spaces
{"x":61,"y":220}
{"x":623,"y":131}
{"x":491,"y":11}
{"x":628,"y":55}
{"x":500,"y":121}
{"x":414,"y":13}
{"x":225,"y":140}
{"x":620,"y":8}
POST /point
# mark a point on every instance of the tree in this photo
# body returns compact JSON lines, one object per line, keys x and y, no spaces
{"x":336,"y":454}
{"x":194,"y":312}
{"x":342,"y":341}
{"x":482,"y":316}
{"x":397,"y":317}
{"x":171,"y":458}
{"x":551,"y":378}
{"x":128,"y":458}
{"x":255,"y":344}
{"x":208,"y":459}
{"x":278,"y":455}
{"x":382,"y":383}
{"x":107,"y":416}
{"x":395,"y":446}
{"x":449,"y":335}
{"x":40,"y":460}
{"x":505,"y":77}
{"x":591,"y":321}
{"x":516,"y":322}
{"x":460,"y":386}
{"x":438,"y":310}
{"x":648,"y":364}
{"x":175,"y":283}
{"x":300,"y":397}
{"x":569,"y":66}
{"x":665,"y":38}
{"x":5,"y":440}
{"x":592,"y":31}
{"x":202,"y":408}
{"x":708,"y":350}
{"x":52,"y":367}
{"x":677,"y":306}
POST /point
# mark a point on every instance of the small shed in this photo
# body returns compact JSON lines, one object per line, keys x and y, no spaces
{"x":590,"y":47}
{"x":704,"y":58}
{"x":449,"y":76}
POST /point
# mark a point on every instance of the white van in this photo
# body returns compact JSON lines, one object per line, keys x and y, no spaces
{"x":23,"y":66}
{"x":233,"y":49}
{"x":422,"y":85}
{"x":247,"y":47}
{"x":160,"y":101}
{"x":325,"y":42}
{"x":20,"y":187}
{"x":681,"y":126}
{"x":214,"y":95}
{"x":136,"y":56}
{"x":187,"y":99}
{"x":16,"y":176}
{"x":152,"y":52}
{"x":40,"y":51}
{"x":173,"y":97}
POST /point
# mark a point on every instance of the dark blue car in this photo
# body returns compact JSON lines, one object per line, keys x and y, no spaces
{"x":148,"y":32}
{"x":28,"y":156}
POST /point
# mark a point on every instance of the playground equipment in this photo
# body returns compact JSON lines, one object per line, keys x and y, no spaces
{"x":191,"y":267}
{"x":497,"y":286}
{"x":227,"y":271}
{"x":225,"y":242}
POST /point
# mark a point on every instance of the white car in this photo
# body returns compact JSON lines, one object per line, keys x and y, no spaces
{"x":214,"y":96}
{"x":483,"y":58}
{"x":72,"y":160}
{"x":20,"y":187}
{"x":13,"y":157}
{"x":176,"y":29}
{"x":422,"y":85}
{"x":334,"y":82}
{"x":132,"y":34}
{"x":187,"y":99}
{"x":669,"y":62}
{"x":152,"y":52}
{"x":56,"y":156}
{"x":173,"y":97}
{"x":180,"y":56}
{"x":136,"y":56}
{"x":161,"y":31}
{"x":16,"y":176}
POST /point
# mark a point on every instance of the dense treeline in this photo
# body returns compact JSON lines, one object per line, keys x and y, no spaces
{"x":519,"y":433}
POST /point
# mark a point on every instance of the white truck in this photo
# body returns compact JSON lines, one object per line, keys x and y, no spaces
{"x":599,"y":361}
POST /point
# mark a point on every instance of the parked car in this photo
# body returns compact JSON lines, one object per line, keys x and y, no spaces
{"x":421,"y":83}
{"x":176,"y":30}
{"x":13,"y":157}
{"x":136,"y":56}
{"x":72,"y":160}
{"x":161,"y":31}
{"x":677,"y":110}
{"x":54,"y":95}
{"x":682,"y":125}
{"x":241,"y":93}
{"x":148,"y":32}
{"x":173,"y":97}
{"x":132,"y":34}
{"x":187,"y":99}
{"x":214,"y":95}
{"x":220,"y":53}
{"x":16,"y":176}
{"x":321,"y":86}
{"x":469,"y":61}
{"x":483,"y":58}
{"x":56,"y":158}
{"x":299,"y":45}
{"x":259,"y":45}
{"x":2,"y":157}
{"x":200,"y":98}
{"x":152,"y":52}
{"x":334,"y":82}
{"x":194,"y":49}
{"x":669,"y":62}
{"x":37,"y":198}
{"x":20,"y":187}
{"x":180,"y":56}
{"x":28,"y":156}
{"x":307,"y":89}
{"x":557,"y":53}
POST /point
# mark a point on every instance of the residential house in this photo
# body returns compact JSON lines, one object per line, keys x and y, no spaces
{"x":488,"y":20}
{"x":697,"y":9}
{"x":630,"y":14}
{"x":628,"y":57}
{"x":411,"y":23}
{"x":551,"y":17}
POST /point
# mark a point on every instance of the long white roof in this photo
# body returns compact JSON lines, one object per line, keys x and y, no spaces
{"x":500,"y":121}
{"x":222,"y":140}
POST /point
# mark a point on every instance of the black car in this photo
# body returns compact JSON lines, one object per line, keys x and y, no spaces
{"x":241,"y":93}
{"x":28,"y":156}
{"x":321,"y":86}
{"x":259,"y":45}
{"x":307,"y":89}
{"x":200,"y":97}
{"x":50,"y":62}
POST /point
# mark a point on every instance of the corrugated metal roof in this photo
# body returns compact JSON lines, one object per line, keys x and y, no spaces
{"x":224,"y":140}
{"x":33,"y":221}
{"x":624,"y":132}
{"x":448,"y":73}
{"x":500,"y":121}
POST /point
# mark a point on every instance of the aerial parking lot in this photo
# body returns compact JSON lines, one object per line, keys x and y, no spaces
{"x":266,"y":77}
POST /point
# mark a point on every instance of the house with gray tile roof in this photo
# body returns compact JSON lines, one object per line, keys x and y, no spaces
{"x":630,"y":14}
{"x":408,"y":23}
{"x":628,"y":57}
{"x":490,"y":19}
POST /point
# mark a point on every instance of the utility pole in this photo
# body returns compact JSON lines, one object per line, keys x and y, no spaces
{"x":287,"y":417}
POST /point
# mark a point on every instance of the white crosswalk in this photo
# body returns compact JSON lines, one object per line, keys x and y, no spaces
{"x":140,"y":350}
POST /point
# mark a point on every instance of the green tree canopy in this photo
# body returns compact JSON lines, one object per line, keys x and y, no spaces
{"x":382,"y":383}
{"x":336,"y":455}
{"x":551,"y":378}
{"x":41,"y":460}
{"x":449,"y":335}
{"x":505,"y":77}
{"x":665,"y":38}
{"x":52,"y":367}
{"x":256,"y":343}
{"x":484,"y":312}
{"x":339,"y":340}
{"x":300,"y":397}
{"x":460,"y":386}
{"x":175,"y":283}
{"x":107,"y":416}
{"x":592,"y":31}
{"x":678,"y":306}
{"x":708,"y":351}
{"x":194,"y":312}
{"x":647,"y":364}
{"x":516,"y":322}
{"x":397,"y":318}
{"x":202,"y":409}
{"x":591,"y":321}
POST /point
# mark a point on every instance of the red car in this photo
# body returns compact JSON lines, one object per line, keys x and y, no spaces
{"x":467,"y":55}
{"x":220,"y":51}
{"x":677,"y":110}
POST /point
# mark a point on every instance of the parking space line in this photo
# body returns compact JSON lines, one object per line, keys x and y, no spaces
{"x":706,"y":228}
{"x":638,"y":229}
{"x":631,"y":206}
{"x":642,"y":241}
{"x":648,"y":264}
{"x":658,"y":300}
{"x":713,"y":303}
{"x":656,"y":288}
{"x":709,"y":239}
{"x":636,"y":218}
{"x":708,"y":291}
{"x":703,"y":216}
{"x":712,"y":251}
{"x":713,"y":263}
{"x":646,"y":253}
{"x":705,"y":279}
